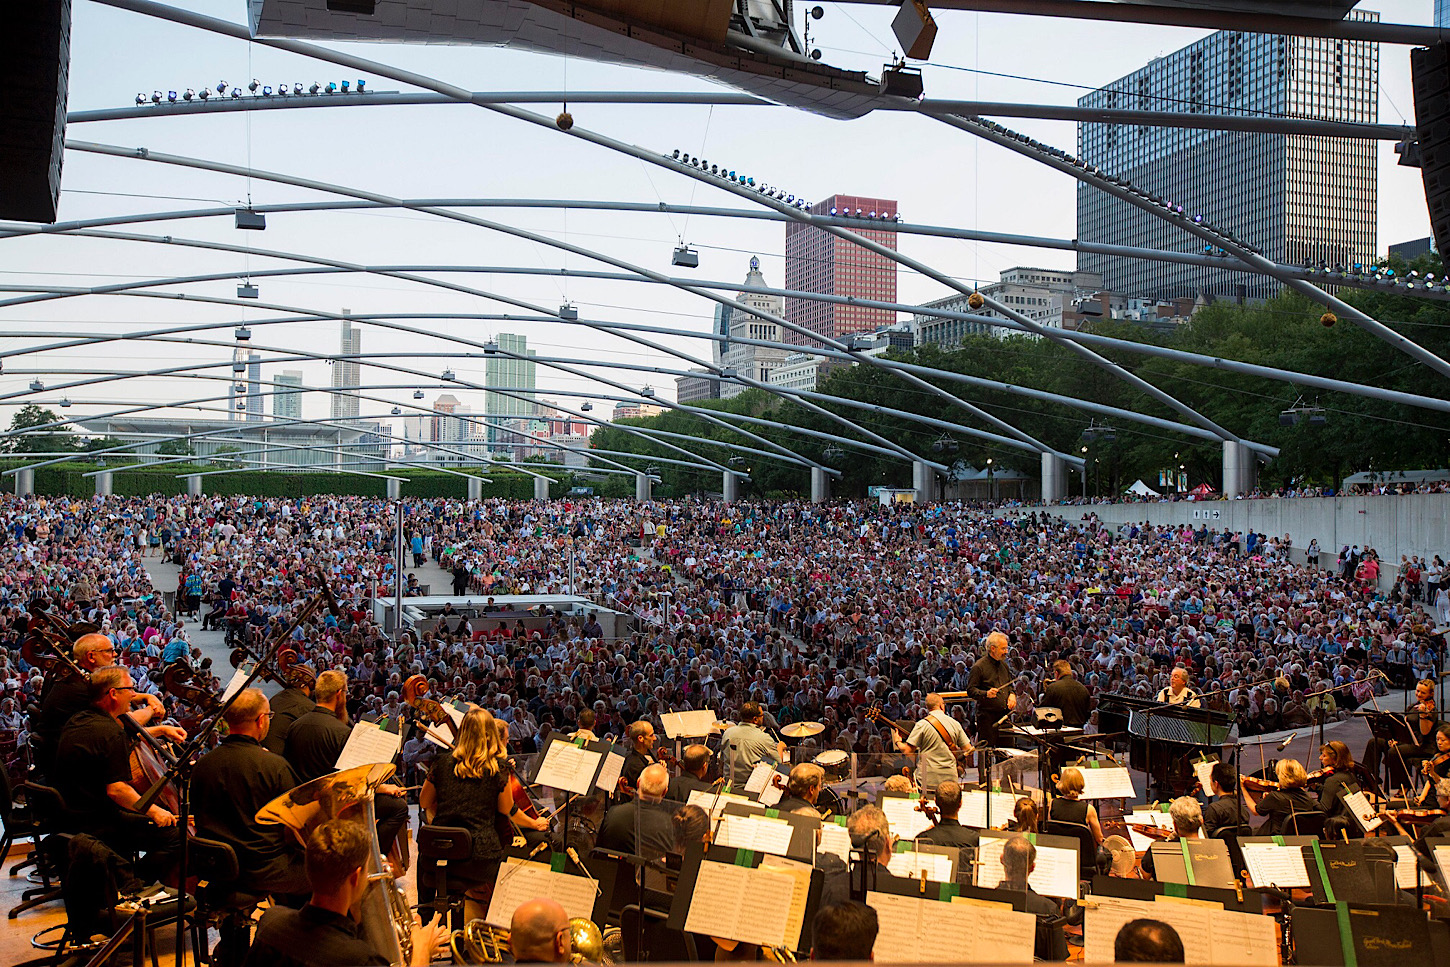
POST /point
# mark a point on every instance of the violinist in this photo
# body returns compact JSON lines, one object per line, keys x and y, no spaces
{"x":1436,"y":767}
{"x":641,"y":755}
{"x":641,"y":825}
{"x":948,"y":830}
{"x":1187,"y":818}
{"x":1291,"y":798}
{"x":803,"y":787}
{"x":468,"y":787}
{"x":1404,"y":758}
{"x":1336,"y":772}
{"x":694,"y":764}
{"x":93,"y":774}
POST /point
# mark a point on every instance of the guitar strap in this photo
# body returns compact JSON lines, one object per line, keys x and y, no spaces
{"x":941,"y":730}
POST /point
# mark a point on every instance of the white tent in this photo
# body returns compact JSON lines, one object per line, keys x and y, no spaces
{"x":1141,"y":489}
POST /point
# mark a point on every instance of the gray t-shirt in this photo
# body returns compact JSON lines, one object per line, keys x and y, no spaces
{"x":742,"y":748}
{"x":935,"y":762}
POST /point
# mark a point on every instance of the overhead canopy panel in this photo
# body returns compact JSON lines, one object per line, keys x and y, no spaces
{"x":757,"y":53}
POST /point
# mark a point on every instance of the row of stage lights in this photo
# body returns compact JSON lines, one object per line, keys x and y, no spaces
{"x":779,"y":194}
{"x":257,"y":88}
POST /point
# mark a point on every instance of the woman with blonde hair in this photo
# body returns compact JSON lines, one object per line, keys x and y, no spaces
{"x":467,"y":787}
{"x":1069,"y":807}
{"x":1290,"y":799}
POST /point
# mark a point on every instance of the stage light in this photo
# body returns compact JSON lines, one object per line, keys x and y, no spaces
{"x":36,"y":386}
{"x":448,"y":376}
{"x":140,"y":98}
{"x":833,"y":211}
{"x":587,"y":406}
{"x":314,"y":88}
{"x":236,"y":92}
{"x":397,"y":411}
{"x":568,"y":313}
{"x":205,"y":93}
{"x":647,"y":391}
{"x":250,"y":220}
{"x":248,"y":291}
{"x":267,"y":91}
{"x":188,"y":94}
{"x":253,"y":86}
{"x":284,"y":89}
{"x":346,"y":86}
{"x":417,"y":394}
{"x":171,"y":97}
{"x":297,"y":88}
{"x":676,"y":155}
{"x":238,"y":366}
{"x":65,"y":403}
{"x":360,"y":85}
{"x":155,"y":97}
{"x":331,"y":87}
{"x":221,"y":87}
{"x":685,"y":257}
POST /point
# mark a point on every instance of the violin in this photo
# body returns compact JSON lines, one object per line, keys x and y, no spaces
{"x":1431,"y":768}
{"x":1152,"y":832}
{"x":1257,"y":784}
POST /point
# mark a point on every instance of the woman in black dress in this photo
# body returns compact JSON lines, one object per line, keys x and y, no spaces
{"x":1291,"y":798}
{"x":468,"y":787}
{"x":1068,"y":807}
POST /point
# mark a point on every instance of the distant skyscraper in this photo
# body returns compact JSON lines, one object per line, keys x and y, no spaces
{"x":753,"y":362}
{"x":346,"y":373}
{"x":255,"y":410}
{"x":506,"y":370}
{"x":722,"y":328}
{"x":1295,"y":198}
{"x":817,"y":261}
{"x":286,"y":403}
{"x":1442,"y":13}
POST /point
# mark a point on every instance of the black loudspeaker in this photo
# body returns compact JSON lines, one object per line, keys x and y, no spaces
{"x":34,"y":65}
{"x":1430,"y":70}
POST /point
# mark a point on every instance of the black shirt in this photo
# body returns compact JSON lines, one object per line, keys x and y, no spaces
{"x":1224,"y":813}
{"x":950,"y":832}
{"x":310,"y":937}
{"x":989,"y":673}
{"x":228,"y":786}
{"x":682,"y":785}
{"x":471,"y":804}
{"x":657,"y":833}
{"x":287,"y":706}
{"x":634,"y":763}
{"x":314,"y":742}
{"x":62,"y":700}
{"x":1278,"y":804}
{"x":93,"y":753}
{"x":1072,"y":697}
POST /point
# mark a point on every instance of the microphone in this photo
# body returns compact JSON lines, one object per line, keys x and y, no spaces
{"x":327,"y":595}
{"x":1001,"y":720}
{"x":1285,"y":744}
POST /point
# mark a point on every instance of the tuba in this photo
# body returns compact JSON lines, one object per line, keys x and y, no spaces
{"x":383,"y":910}
{"x":481,"y":943}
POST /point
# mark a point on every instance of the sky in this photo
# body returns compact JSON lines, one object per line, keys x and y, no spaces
{"x":939,"y":175}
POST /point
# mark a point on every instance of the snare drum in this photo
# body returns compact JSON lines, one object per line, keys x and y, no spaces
{"x":836,"y":763}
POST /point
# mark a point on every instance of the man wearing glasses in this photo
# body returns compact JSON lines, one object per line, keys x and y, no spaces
{"x":66,"y":693}
{"x":231,"y":783}
{"x":93,"y":773}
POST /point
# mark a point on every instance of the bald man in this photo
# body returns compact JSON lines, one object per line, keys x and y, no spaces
{"x":66,"y":694}
{"x":539,"y":933}
{"x":938,"y":740}
{"x":644,"y":813}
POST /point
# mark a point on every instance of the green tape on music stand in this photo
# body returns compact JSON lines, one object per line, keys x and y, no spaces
{"x":745,"y":857}
{"x":1094,"y":764}
{"x":1346,"y":935}
{"x":772,"y":814}
{"x":948,"y":890}
{"x":556,"y":862}
{"x":1187,"y":862}
{"x":1178,"y":890}
{"x":1323,"y":873}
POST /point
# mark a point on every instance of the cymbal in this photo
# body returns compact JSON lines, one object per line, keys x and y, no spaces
{"x":325,"y":797}
{"x":802,"y":730}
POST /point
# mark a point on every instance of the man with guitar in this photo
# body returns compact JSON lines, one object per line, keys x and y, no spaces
{"x":939,"y":743}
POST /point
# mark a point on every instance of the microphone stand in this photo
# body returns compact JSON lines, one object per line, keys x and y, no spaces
{"x":179,"y":771}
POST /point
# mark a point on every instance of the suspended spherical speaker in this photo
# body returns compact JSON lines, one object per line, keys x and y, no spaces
{"x":565,"y":120}
{"x":975,"y":300}
{"x":1328,"y":319}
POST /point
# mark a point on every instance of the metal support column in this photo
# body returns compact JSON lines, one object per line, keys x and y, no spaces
{"x":1054,"y":478}
{"x":923,"y":479}
{"x":643,"y":486}
{"x":730,"y":487}
{"x":1240,"y":469}
{"x":541,"y":488}
{"x":24,"y":482}
{"x":475,"y":488}
{"x":194,"y":486}
{"x":104,"y":482}
{"x":820,"y":486}
{"x":395,"y":489}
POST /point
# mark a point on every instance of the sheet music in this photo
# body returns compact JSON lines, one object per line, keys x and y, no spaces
{"x":914,"y":930}
{"x":568,"y":767}
{"x":974,"y":808}
{"x":759,"y":777}
{"x":368,"y":744}
{"x":1108,"y":783}
{"x":243,"y":672}
{"x":1406,"y":867}
{"x":1210,"y":937}
{"x":1204,"y":771}
{"x":800,"y":894}
{"x":1054,"y":875}
{"x":835,"y":839}
{"x":771,"y":794}
{"x":439,"y":734}
{"x":610,"y":772}
{"x":1281,"y":866}
{"x":1140,"y":842}
{"x":744,"y":904}
{"x":1034,"y":730}
{"x":520,"y":881}
{"x":689,"y":724}
{"x":760,"y":833}
{"x":907,"y":822}
{"x":1363,"y":812}
{"x":1442,"y":856}
{"x":714,"y":803}
{"x":910,"y":863}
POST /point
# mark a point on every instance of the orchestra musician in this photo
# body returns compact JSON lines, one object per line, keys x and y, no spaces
{"x":803,"y":788}
{"x":323,"y":933}
{"x":1177,"y":692}
{"x":1436,"y":767}
{"x":1019,"y":859}
{"x":1187,"y":819}
{"x":641,"y":754}
{"x":66,"y":694}
{"x":990,"y":686}
{"x":931,"y":740}
{"x":1224,"y":811}
{"x":539,"y":933}
{"x":948,"y":830}
{"x":585,"y":730}
{"x":1336,"y":767}
{"x":467,"y":787}
{"x":92,"y":771}
{"x":317,"y":738}
{"x":645,"y":813}
{"x":1404,"y":758}
{"x":288,"y":705}
{"x":1291,"y":798}
{"x":231,"y":783}
{"x":1069,"y":695}
{"x":694,"y":764}
{"x":870,"y":833}
{"x":744,"y":746}
{"x":1067,"y":807}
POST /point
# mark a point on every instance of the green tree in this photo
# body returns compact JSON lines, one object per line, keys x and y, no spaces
{"x":29,"y":416}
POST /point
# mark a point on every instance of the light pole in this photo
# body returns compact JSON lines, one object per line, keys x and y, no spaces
{"x":991,"y":482}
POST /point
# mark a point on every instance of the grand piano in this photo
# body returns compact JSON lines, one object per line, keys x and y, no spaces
{"x":1164,"y":738}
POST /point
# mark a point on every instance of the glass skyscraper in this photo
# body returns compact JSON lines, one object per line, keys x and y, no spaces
{"x":514,"y":374}
{"x":1296,"y":199}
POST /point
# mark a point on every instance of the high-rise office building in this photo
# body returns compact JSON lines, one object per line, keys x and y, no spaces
{"x":753,"y":362}
{"x":1442,"y":13}
{"x":722,"y":328}
{"x":817,"y":261}
{"x":1294,"y":198}
{"x":347,"y":373}
{"x":287,"y":402}
{"x":511,"y":369}
{"x":255,"y":409}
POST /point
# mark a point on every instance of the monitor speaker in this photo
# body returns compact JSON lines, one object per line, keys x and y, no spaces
{"x":1430,"y":71}
{"x":34,"y":64}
